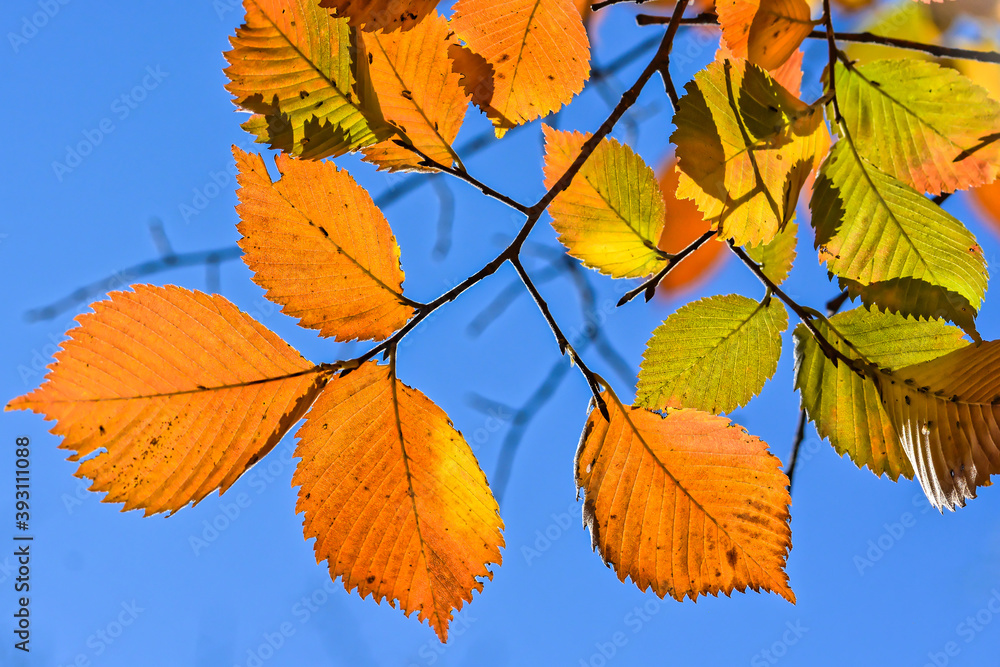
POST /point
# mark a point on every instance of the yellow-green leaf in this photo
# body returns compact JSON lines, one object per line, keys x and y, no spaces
{"x":845,"y":406}
{"x":777,"y":256}
{"x":611,"y":215}
{"x":745,"y":147}
{"x":712,"y":355}
{"x":874,"y":229}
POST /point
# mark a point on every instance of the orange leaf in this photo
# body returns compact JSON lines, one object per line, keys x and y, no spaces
{"x":418,"y":92}
{"x":538,"y":50}
{"x":687,"y":504}
{"x":321,"y":248}
{"x":177,"y":392}
{"x":388,"y":15}
{"x":683,"y":223}
{"x":777,"y":30}
{"x":736,"y":17}
{"x":395,"y":497}
{"x":987,"y":197}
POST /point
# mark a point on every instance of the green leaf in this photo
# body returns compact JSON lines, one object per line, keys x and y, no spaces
{"x":745,"y":147}
{"x":873,"y":229}
{"x":712,"y":355}
{"x":777,"y":256}
{"x":846,"y":407}
{"x":611,"y":215}
{"x":925,"y":124}
{"x":291,"y":66}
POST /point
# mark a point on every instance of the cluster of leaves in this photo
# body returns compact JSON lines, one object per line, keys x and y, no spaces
{"x":165,"y":395}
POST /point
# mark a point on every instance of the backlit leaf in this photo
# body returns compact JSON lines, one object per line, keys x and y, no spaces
{"x":845,"y":406}
{"x":388,"y":15}
{"x":291,"y":66}
{"x":713,"y":355}
{"x":418,"y":93}
{"x":736,"y":17}
{"x":321,"y":248}
{"x":611,"y":215}
{"x":777,"y":256}
{"x":538,"y":50}
{"x":165,"y":395}
{"x":925,"y":124}
{"x":745,"y":147}
{"x":777,"y":30}
{"x":874,"y":229}
{"x":688,"y":505}
{"x":900,"y":20}
{"x":682,"y":224}
{"x":395,"y":497}
{"x":947,"y":414}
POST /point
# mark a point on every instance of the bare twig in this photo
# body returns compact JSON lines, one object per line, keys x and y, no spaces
{"x":649,"y":286}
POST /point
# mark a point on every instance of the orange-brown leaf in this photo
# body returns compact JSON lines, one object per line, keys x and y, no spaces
{"x":388,"y":15}
{"x":687,"y":504}
{"x":417,"y":91}
{"x":683,"y":223}
{"x":321,"y":248}
{"x":166,"y":394}
{"x":395,"y":497}
{"x":737,"y":18}
{"x":777,"y":30}
{"x":538,"y":50}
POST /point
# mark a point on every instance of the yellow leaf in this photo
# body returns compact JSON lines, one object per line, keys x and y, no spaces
{"x":776,"y":258}
{"x":611,"y":215}
{"x":946,"y":413}
{"x":291,"y":65}
{"x":388,"y":15}
{"x":418,"y":92}
{"x":687,"y":504}
{"x":745,"y":148}
{"x":395,"y":497}
{"x":538,"y":50}
{"x":321,"y":248}
{"x":166,"y":395}
{"x":777,"y":30}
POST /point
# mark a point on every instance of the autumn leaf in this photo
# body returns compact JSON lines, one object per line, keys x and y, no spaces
{"x":987,"y":198}
{"x":291,"y":66}
{"x":387,"y":15}
{"x":395,"y":497}
{"x":686,"y":504}
{"x":737,"y":17}
{"x":538,"y":51}
{"x":712,"y":355}
{"x":777,"y":30}
{"x":845,"y":405}
{"x":682,"y":224}
{"x":418,"y":92}
{"x":877,"y":231}
{"x":611,"y":215}
{"x":745,"y":148}
{"x":165,"y":395}
{"x":776,"y":257}
{"x":321,"y":248}
{"x":900,"y":20}
{"x":922,"y":123}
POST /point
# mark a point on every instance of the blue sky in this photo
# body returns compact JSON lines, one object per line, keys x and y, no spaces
{"x":880,"y":578}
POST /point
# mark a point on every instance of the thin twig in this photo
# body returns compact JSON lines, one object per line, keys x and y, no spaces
{"x":649,"y":286}
{"x":564,"y":345}
{"x":855,"y":37}
{"x":807,"y":317}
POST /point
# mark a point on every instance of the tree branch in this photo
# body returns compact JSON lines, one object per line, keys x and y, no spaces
{"x":649,"y":287}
